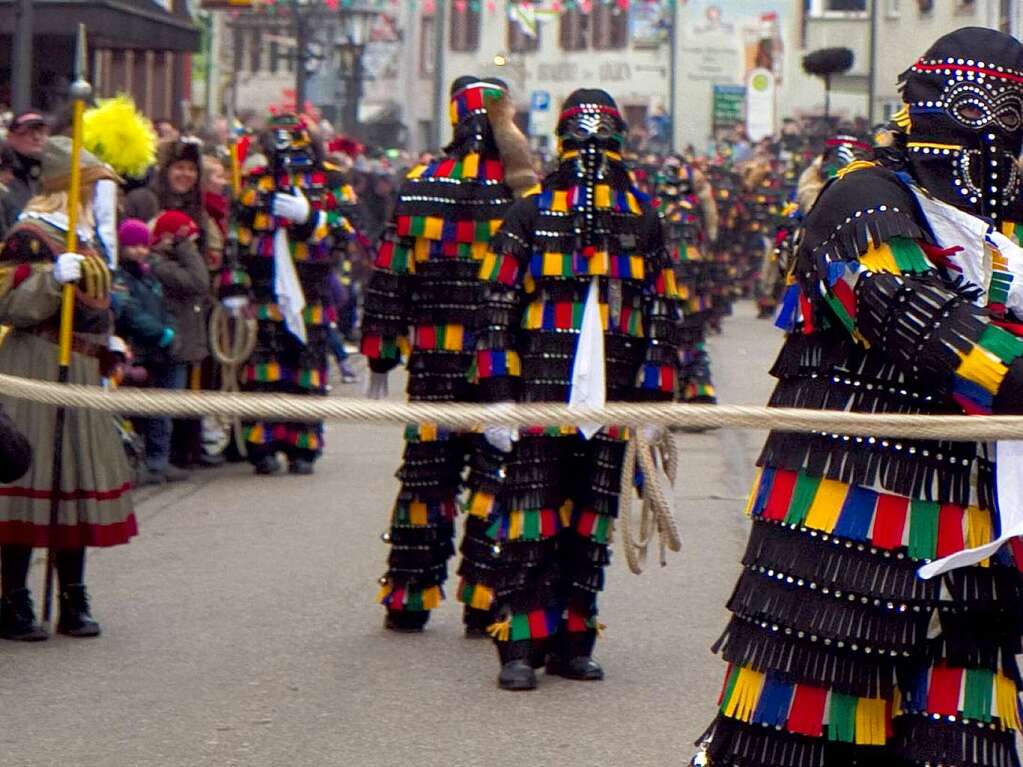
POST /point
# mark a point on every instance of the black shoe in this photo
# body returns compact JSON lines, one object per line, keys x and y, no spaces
{"x":406,"y":621}
{"x":476,"y":632}
{"x":173,"y":474}
{"x":151,"y":478}
{"x":18,"y":620}
{"x":268,"y":465}
{"x":517,"y":675}
{"x":582,"y":668}
{"x":75,"y":618}
{"x":301,"y":467}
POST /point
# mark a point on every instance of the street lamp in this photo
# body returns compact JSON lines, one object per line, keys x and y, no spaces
{"x":352,"y":35}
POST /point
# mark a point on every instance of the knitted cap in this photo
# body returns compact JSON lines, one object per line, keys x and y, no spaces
{"x":133,"y":232}
{"x":172,"y":222}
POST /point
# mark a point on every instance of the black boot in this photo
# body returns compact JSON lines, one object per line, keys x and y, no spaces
{"x":268,"y":465}
{"x":18,"y":620}
{"x":517,"y":675}
{"x":582,"y":668}
{"x":75,"y":618}
{"x":406,"y":621}
{"x":476,"y":622}
{"x":301,"y":467}
{"x":571,"y":657}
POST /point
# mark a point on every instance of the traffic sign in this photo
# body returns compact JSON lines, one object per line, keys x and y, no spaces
{"x":541,"y":119}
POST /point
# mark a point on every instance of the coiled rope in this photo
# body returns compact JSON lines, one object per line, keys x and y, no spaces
{"x":655,"y":509}
{"x":232,"y":341}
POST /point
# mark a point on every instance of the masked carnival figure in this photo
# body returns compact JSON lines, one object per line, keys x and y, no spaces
{"x":291,"y":229}
{"x":685,"y":202}
{"x":421,"y":307}
{"x":878,"y":615}
{"x":581,"y":307}
{"x":95,"y":503}
{"x":776,"y":272}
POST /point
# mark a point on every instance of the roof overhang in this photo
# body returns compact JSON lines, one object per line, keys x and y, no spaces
{"x":110,"y":23}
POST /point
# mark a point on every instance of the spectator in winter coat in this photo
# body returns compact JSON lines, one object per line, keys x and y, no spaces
{"x":145,"y":321}
{"x":177,"y":264}
{"x":26,"y":138}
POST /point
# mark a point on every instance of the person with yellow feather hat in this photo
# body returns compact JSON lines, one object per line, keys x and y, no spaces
{"x":95,"y":506}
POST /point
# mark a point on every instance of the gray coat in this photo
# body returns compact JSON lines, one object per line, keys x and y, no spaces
{"x":186,"y":287}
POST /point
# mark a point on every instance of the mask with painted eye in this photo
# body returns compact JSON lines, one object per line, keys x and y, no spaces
{"x":592,"y":128}
{"x":964,"y":121}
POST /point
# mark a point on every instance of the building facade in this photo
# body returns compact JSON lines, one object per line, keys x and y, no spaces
{"x":143,"y":48}
{"x":680,"y":70}
{"x":902,"y":30}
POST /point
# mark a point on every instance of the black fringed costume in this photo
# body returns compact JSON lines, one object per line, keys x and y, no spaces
{"x":690,"y":225}
{"x":421,"y":304}
{"x":283,"y":362}
{"x":541,"y":516}
{"x":840,"y":652}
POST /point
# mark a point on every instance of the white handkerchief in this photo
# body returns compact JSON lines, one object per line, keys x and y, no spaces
{"x":1009,"y":500}
{"x":287,"y":288}
{"x":588,"y":385}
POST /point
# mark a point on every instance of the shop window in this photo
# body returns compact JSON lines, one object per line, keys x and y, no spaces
{"x":575,"y":27}
{"x":610,"y":26}
{"x":465,"y":26}
{"x":523,"y":27}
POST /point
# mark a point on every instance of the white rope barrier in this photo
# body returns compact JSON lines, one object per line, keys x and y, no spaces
{"x":281,"y":407}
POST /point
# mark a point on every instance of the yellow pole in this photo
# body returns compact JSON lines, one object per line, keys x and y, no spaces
{"x":67,"y":306}
{"x":80,"y":93}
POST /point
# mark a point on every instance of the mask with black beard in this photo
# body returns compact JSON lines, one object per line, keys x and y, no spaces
{"x":289,"y":145}
{"x":964,"y":121}
{"x":589,"y":128}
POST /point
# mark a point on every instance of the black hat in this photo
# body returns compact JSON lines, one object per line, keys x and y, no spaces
{"x":591,"y":100}
{"x":977,"y":50}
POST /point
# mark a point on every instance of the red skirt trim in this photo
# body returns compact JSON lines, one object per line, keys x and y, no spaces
{"x":69,"y":536}
{"x":73,"y":495}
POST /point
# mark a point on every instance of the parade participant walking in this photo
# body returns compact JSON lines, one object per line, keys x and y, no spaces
{"x":421,"y":304}
{"x":685,"y":202}
{"x":841,"y":651}
{"x":95,"y":504}
{"x":289,"y":229}
{"x":581,"y":307}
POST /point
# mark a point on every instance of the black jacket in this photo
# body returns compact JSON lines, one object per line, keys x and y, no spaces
{"x":23,"y":187}
{"x":143,"y":316}
{"x":15,"y":451}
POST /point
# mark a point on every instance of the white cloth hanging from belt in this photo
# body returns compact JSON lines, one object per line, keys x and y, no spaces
{"x":589,"y":387}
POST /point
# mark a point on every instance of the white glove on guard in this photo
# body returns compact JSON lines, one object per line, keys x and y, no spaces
{"x":68,"y":268}
{"x":294,"y":207}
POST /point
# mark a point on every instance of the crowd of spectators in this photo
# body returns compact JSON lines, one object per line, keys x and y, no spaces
{"x":173,"y":229}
